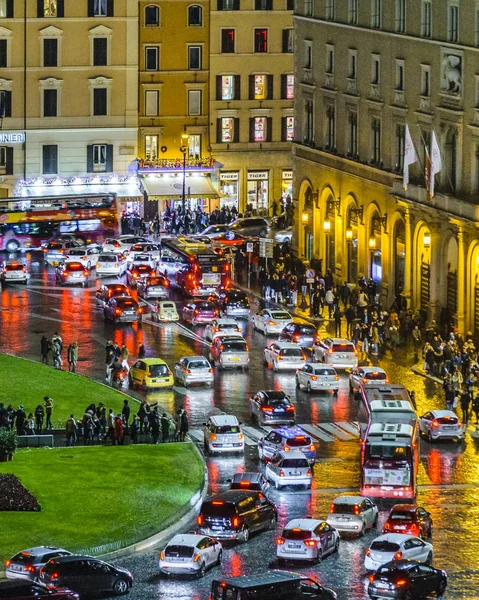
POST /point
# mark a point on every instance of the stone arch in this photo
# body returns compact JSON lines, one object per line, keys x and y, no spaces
{"x":472,"y":289}
{"x":305,"y":229}
{"x":398,"y":249}
{"x":421,"y":262}
{"x":351,"y":238}
{"x":327,"y":237}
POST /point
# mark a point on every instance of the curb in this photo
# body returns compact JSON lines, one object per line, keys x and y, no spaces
{"x":419,"y":371}
{"x":187,"y":512}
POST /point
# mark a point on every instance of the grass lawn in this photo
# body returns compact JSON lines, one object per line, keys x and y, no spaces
{"x":26,"y":382}
{"x":98,"y":495}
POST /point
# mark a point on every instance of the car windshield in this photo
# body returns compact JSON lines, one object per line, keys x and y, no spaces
{"x":142,"y":269}
{"x":157,"y":370}
{"x":342,"y":348}
{"x":234,"y":346}
{"x":401,"y":516}
{"x":384,"y":546}
{"x":75,"y":267}
{"x":447,"y":420}
{"x":217,"y":509}
{"x":142,"y":257}
{"x":78,"y":252}
{"x":177,"y":551}
{"x":345,"y":509}
{"x":307,"y":330}
{"x":126,"y":304}
{"x":13,"y":268}
{"x":280,"y":316}
{"x":300,"y":440}
{"x":168,"y":305}
{"x":221,"y":429}
{"x":276,"y":402}
{"x":24,"y":557}
{"x":156,"y":281}
{"x":296,"y":534}
{"x":375,"y":375}
{"x":107,"y":259}
{"x":292,"y":352}
{"x":198,"y":364}
{"x":324,"y":372}
{"x":295,"y":463}
{"x":245,"y":485}
{"x":225,"y":326}
{"x":204,"y":306}
{"x":54,"y":245}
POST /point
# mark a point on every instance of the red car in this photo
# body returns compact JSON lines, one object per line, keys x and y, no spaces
{"x":24,"y":590}
{"x":199,"y":311}
{"x":410,"y":519}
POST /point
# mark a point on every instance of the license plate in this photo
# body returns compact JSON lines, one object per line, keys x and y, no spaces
{"x":448,"y":427}
{"x":343,"y":519}
{"x":294,"y":546}
{"x":16,"y":568}
{"x":76,"y":275}
{"x":381,"y":584}
{"x":400,"y":527}
{"x":234,"y":358}
{"x":295,"y":473}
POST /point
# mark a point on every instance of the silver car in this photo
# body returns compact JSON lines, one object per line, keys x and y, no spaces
{"x":27,"y":563}
{"x":289,"y":468}
{"x":110,"y":264}
{"x":441,"y":425}
{"x":14,"y":272}
{"x":230,"y":352}
{"x":363,"y":376}
{"x":194,"y":369}
{"x":282,"y":356}
{"x":317,"y":377}
{"x":190,"y":554}
{"x":338,"y":353}
{"x":353,"y":514}
{"x":307,"y":539}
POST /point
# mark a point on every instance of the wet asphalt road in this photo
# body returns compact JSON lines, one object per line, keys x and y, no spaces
{"x":448,"y":474}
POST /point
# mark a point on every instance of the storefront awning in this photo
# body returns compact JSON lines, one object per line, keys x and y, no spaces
{"x":122,"y":190}
{"x":163,"y":188}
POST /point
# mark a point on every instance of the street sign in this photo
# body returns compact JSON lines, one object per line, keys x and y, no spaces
{"x":310,"y":273}
{"x":309,"y":280}
{"x":249,"y":247}
{"x":266,"y":248}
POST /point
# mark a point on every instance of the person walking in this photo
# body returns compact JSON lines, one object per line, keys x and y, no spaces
{"x":416,"y":341}
{"x":109,"y":359}
{"x":44,"y":348}
{"x":20,"y":417}
{"x":135,"y":426}
{"x":30,"y":425}
{"x":155,"y":425}
{"x":329,"y":297}
{"x":184,"y":425}
{"x":57,"y":353}
{"x":165,"y":428}
{"x":124,"y":358}
{"x":72,"y":356}
{"x":449,"y":391}
{"x":71,"y":431}
{"x":337,"y":321}
{"x":465,"y":406}
{"x":39,"y":418}
{"x":125,"y":412}
{"x":119,"y":431}
{"x":475,"y":407}
{"x":110,"y":423}
{"x":48,"y":404}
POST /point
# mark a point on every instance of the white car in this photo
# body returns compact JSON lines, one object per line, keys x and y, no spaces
{"x":284,"y":235}
{"x":220,"y":326}
{"x":87,"y":256}
{"x":339,"y":353}
{"x":190,"y":554}
{"x":109,"y":263}
{"x":289,"y":468}
{"x":315,"y":376}
{"x":141,"y":258}
{"x":396,"y":546}
{"x":363,"y":376}
{"x":284,"y":356}
{"x":14,"y":272}
{"x":122,"y":243}
{"x":353,"y":514}
{"x":222,"y":433}
{"x":215,"y":231}
{"x":152,"y":249}
{"x":194,"y":369}
{"x":307,"y":539}
{"x":271,"y":321}
{"x":54,"y":252}
{"x":169,"y":266}
{"x":441,"y":425}
{"x":166,"y":311}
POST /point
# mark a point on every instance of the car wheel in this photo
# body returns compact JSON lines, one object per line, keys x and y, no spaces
{"x":429,"y":437}
{"x":245,"y":535}
{"x":362,"y":530}
{"x":351,"y":390}
{"x":441,"y":589}
{"x":206,"y":448}
{"x":275,"y":368}
{"x":429,"y":559}
{"x":308,"y":387}
{"x":336,"y":545}
{"x":260,"y":453}
{"x":298,"y":385}
{"x":375,"y":522}
{"x":121,"y":587}
{"x":319,"y":556}
{"x":202,"y":571}
{"x":272,"y":523}
{"x":220,"y":558}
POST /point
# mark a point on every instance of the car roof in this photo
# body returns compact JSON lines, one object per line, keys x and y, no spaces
{"x":154,"y":361}
{"x":251,"y":476}
{"x":234,"y":496}
{"x":41,"y":549}
{"x":405,"y":507}
{"x":372,"y":369}
{"x":398,"y":538}
{"x":226,"y":321}
{"x":224,"y":420}
{"x":443,"y":413}
{"x":292,"y":454}
{"x":403,"y":564}
{"x":348,"y":500}
{"x":291,"y":432}
{"x":275,"y":394}
{"x":284,"y":345}
{"x":304,"y":524}
{"x":186,"y":539}
{"x":341,"y":341}
{"x":269,"y":577}
{"x":197,"y":357}
{"x":120,"y":298}
{"x":74,"y":557}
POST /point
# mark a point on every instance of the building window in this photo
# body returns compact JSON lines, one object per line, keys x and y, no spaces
{"x":453,"y":23}
{"x":353,"y":134}
{"x":287,"y":86}
{"x":152,"y":16}
{"x":195,"y":15}
{"x":194,"y":146}
{"x":5,"y":103}
{"x":375,"y":141}
{"x":290,"y":4}
{"x":263,"y":5}
{"x":330,"y":10}
{"x":330,"y":128}
{"x":288,"y":129}
{"x":227,"y":87}
{"x":50,"y":52}
{"x":261,"y":40}
{"x":194,"y":58}
{"x":259,"y":129}
{"x":3,"y":160}
{"x":376,"y":6}
{"x":401,"y":16}
{"x":152,"y":101}
{"x":353,"y":12}
{"x":99,"y":158}
{"x":194,"y":102}
{"x":399,"y":147}
{"x":227,"y":129}
{"x":50,"y":103}
{"x":425,"y":80}
{"x":260,"y":90}
{"x":152,"y":58}
{"x":100,"y":108}
{"x":100,"y":8}
{"x":49,"y":8}
{"x":426,"y":18}
{"x":3,"y":53}
{"x":228,"y":4}
{"x":376,"y":70}
{"x":329,"y":58}
{"x":227,"y":41}
{"x":288,"y":41}
{"x":100,"y":52}
{"x":400,"y":75}
{"x":151,"y":147}
{"x":308,"y":122}
{"x":308,"y":8}
{"x":308,"y":54}
{"x":50,"y":159}
{"x":353,"y":64}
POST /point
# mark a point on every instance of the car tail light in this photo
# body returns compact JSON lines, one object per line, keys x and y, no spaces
{"x":162,"y":554}
{"x":240,"y":436}
{"x":211,"y":370}
{"x":200,"y":520}
{"x":279,"y":357}
{"x":213,"y":437}
{"x":54,"y":576}
{"x":387,"y":527}
{"x":24,"y":270}
{"x":310,"y":543}
{"x":30,"y":569}
{"x":135,"y":275}
{"x":435,"y":423}
{"x":116,"y":265}
{"x":308,"y":473}
{"x":330,"y":351}
{"x":281,"y":473}
{"x":272,"y":323}
{"x":188,"y":371}
{"x":314,"y":378}
{"x":149,"y":374}
{"x":8,"y":563}
{"x":317,"y":339}
{"x":290,"y":408}
{"x":401,"y":582}
{"x":296,"y":337}
{"x":196,"y":558}
{"x":139,"y":311}
{"x":368,"y":552}
{"x":118,"y":311}
{"x":85,"y":272}
{"x":266,"y":409}
{"x":286,"y":448}
{"x":356,"y":509}
{"x":65,"y":274}
{"x":398,"y":556}
{"x":331,"y":508}
{"x":279,"y":541}
{"x":371,"y":578}
{"x":414,"y":529}
{"x":235,"y":522}
{"x":312,"y":448}
{"x":247,"y":347}
{"x":336,"y":378}
{"x":61,"y":251}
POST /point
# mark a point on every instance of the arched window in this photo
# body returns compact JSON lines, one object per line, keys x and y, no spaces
{"x":195,"y":15}
{"x":152,"y":16}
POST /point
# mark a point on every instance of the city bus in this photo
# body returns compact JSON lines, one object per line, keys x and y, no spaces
{"x":27,"y":223}
{"x":389,"y":402}
{"x":195,"y":267}
{"x":390,"y":460}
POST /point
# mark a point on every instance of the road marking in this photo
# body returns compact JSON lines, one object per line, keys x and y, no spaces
{"x":335,"y":430}
{"x":351,"y":427}
{"x":317,"y":433}
{"x":251,"y":432}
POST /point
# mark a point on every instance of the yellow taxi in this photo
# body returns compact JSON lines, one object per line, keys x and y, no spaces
{"x":150,"y":373}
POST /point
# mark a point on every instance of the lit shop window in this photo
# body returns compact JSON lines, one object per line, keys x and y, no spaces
{"x":260,"y":129}
{"x":227,"y":128}
{"x":227,"y":87}
{"x":260,"y":87}
{"x":289,"y":129}
{"x":289,"y":87}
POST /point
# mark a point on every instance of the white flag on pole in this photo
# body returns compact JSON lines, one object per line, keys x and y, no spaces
{"x":436,"y":162}
{"x":410,"y":156}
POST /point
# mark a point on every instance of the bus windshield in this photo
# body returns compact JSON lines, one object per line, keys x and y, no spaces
{"x":387,"y":452}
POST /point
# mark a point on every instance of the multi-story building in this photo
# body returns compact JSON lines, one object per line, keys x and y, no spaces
{"x":68,"y":97}
{"x":251,"y":107}
{"x":174,"y":103}
{"x":365,"y":70}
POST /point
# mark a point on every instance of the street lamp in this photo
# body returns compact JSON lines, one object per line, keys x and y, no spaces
{"x":304,"y":217}
{"x":372,"y":247}
{"x":427,"y":240}
{"x":327,"y":230}
{"x":349,"y":234}
{"x":349,"y":241}
{"x":184,"y":149}
{"x":327,"y":225}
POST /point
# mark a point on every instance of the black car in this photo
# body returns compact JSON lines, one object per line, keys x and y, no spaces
{"x":234,"y":515}
{"x":24,"y":590}
{"x":401,"y":579}
{"x":302,"y":334}
{"x":153,"y":287}
{"x":86,"y":574}
{"x":111,"y":290}
{"x":247,"y":480}
{"x":122,"y":309}
{"x":272,"y":407}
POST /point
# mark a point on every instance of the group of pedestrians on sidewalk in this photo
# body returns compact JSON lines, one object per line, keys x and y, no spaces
{"x":51,"y":352}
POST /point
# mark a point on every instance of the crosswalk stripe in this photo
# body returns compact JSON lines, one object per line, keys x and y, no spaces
{"x":317,"y":433}
{"x":331,"y":428}
{"x":251,"y":432}
{"x":348,"y":427}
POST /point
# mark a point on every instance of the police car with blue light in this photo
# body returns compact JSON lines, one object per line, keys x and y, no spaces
{"x":286,"y":439}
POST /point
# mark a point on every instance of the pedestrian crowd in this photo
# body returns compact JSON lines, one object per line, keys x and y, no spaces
{"x":51,"y":352}
{"x":27,"y":423}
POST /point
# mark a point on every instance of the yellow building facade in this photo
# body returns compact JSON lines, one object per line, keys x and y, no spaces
{"x":68,"y":96}
{"x":364,"y":72}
